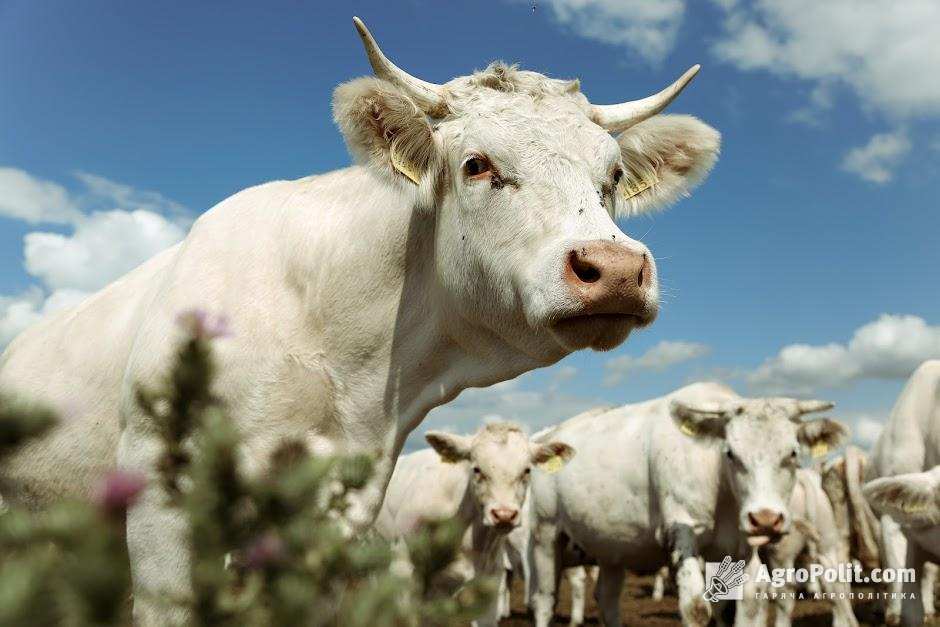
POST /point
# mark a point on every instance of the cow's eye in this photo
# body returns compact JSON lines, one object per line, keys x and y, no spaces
{"x":477,"y":471}
{"x":617,"y":175}
{"x":475,"y":166}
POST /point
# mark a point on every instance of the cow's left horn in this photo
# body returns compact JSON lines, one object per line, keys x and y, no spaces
{"x":620,"y":117}
{"x":428,"y":96}
{"x":808,"y":407}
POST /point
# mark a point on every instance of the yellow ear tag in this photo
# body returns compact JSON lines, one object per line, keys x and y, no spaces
{"x":403,"y":166}
{"x":553,"y":464}
{"x":914,"y":508}
{"x":688,"y":427}
{"x":819,"y":449}
{"x":629,"y":190}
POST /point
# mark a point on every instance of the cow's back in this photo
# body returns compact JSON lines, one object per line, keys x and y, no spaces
{"x":910,"y":441}
{"x":422,"y":487}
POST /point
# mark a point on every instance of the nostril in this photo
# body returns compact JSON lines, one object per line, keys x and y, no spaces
{"x":644,"y":271}
{"x":583,"y":269}
{"x":753,"y":520}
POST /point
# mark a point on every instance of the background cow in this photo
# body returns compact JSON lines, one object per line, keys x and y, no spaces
{"x":694,"y":473}
{"x":473,"y":241}
{"x":816,"y":534}
{"x":901,"y":486}
{"x":480,"y":480}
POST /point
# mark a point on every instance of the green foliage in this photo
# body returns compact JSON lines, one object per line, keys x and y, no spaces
{"x":272,"y":548}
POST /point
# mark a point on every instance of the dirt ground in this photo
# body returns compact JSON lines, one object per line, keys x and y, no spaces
{"x":637,"y":608}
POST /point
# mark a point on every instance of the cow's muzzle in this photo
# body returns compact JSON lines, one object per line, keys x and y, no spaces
{"x":609,"y":279}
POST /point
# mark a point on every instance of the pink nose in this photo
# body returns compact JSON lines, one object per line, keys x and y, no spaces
{"x":766,"y":520}
{"x":609,"y":278}
{"x":504,"y":516}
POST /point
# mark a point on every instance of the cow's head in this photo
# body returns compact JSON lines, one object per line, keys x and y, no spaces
{"x":762,"y":439}
{"x":913,"y":500}
{"x":522,"y":180}
{"x":500,"y":458}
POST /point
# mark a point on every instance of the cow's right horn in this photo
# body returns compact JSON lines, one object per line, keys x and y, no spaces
{"x":808,"y":407}
{"x":428,"y":96}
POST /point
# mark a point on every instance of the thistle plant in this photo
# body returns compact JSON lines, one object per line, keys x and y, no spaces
{"x":269,"y":548}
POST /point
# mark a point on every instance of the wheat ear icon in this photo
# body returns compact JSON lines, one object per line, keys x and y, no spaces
{"x":727,"y":577}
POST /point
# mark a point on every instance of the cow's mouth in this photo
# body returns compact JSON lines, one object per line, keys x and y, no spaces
{"x":602,"y":331}
{"x":761,"y":539}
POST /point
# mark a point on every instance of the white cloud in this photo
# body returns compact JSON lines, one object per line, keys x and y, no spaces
{"x":888,"y":348}
{"x":100,"y":246}
{"x":104,"y":246}
{"x":100,"y":189}
{"x":648,"y":29}
{"x":26,"y":198}
{"x":663,"y":355}
{"x":877,"y":160}
{"x":510,"y":401}
{"x":884,"y":51}
{"x":866,"y":429}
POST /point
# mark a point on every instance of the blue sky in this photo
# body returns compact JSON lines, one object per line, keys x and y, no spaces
{"x":121,"y":121}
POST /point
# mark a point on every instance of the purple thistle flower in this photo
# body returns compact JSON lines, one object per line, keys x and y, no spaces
{"x":264,"y":551}
{"x":118,"y":491}
{"x":201,"y":324}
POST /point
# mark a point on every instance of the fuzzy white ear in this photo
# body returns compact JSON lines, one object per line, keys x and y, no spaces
{"x":664,"y":157}
{"x":821,"y":436}
{"x":910,"y":499}
{"x":452,"y":448}
{"x":551,"y":457}
{"x":384,"y":129}
{"x":704,"y":418}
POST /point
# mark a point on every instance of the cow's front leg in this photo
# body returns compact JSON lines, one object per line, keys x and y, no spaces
{"x":607,"y":594}
{"x":543,"y":555}
{"x":577,"y":581}
{"x":927,"y":589}
{"x":157,"y":541}
{"x":689,"y":578}
{"x":912,"y":608}
{"x":894,"y":549}
{"x":752,"y":609}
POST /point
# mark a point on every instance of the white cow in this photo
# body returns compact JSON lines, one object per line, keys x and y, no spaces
{"x":862,"y":536}
{"x":473,"y":241}
{"x":816,"y":533}
{"x":903,"y":485}
{"x":700,"y":471}
{"x":480,"y":480}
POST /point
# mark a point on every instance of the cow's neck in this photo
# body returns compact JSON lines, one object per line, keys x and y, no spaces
{"x":393,"y":347}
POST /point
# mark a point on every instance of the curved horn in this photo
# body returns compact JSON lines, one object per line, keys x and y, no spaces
{"x":428,"y":96}
{"x":620,"y":117}
{"x":808,"y":407}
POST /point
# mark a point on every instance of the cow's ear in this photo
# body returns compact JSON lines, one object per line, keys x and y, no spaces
{"x":820,"y":436}
{"x":384,"y":129}
{"x":452,"y":448}
{"x":664,"y":157}
{"x":551,"y":457}
{"x":702,"y":419}
{"x":910,"y":499}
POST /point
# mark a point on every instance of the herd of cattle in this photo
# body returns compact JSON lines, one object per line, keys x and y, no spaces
{"x":699,"y":474}
{"x":474,"y":240}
